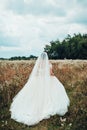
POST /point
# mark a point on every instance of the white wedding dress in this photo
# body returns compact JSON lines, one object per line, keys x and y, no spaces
{"x":42,"y":96}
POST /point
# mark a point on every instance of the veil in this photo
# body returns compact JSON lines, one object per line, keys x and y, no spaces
{"x":40,"y":75}
{"x":41,"y":67}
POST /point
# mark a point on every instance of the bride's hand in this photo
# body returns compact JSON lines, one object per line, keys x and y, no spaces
{"x":51,"y":72}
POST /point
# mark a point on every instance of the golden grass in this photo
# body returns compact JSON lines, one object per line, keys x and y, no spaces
{"x":73,"y":75}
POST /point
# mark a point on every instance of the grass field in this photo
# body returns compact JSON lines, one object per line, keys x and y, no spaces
{"x":72,"y":74}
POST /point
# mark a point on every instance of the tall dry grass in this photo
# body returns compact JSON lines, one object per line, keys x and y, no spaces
{"x":72,"y":74}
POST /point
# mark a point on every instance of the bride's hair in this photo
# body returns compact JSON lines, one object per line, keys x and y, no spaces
{"x":43,"y":55}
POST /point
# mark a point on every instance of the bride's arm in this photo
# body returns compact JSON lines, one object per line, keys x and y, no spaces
{"x":51,"y":71}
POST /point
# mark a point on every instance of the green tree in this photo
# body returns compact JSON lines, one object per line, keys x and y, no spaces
{"x":74,"y":47}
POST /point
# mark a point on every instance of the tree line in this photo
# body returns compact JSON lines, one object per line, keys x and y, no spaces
{"x":20,"y":58}
{"x":72,"y":47}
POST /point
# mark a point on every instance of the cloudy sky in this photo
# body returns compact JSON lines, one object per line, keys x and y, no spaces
{"x":26,"y":26}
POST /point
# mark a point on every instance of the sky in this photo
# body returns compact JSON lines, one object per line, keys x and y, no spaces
{"x":26,"y":26}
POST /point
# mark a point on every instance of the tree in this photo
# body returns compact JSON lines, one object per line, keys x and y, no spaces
{"x":74,"y":47}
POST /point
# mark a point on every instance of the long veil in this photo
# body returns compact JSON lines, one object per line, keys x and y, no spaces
{"x":41,"y":72}
{"x":41,"y":67}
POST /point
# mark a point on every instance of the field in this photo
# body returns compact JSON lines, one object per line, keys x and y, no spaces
{"x":72,"y":74}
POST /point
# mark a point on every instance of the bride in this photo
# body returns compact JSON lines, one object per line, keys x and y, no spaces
{"x":42,"y":96}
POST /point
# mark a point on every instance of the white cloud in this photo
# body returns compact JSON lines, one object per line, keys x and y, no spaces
{"x":6,"y":48}
{"x":75,"y":28}
{"x":30,"y":24}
